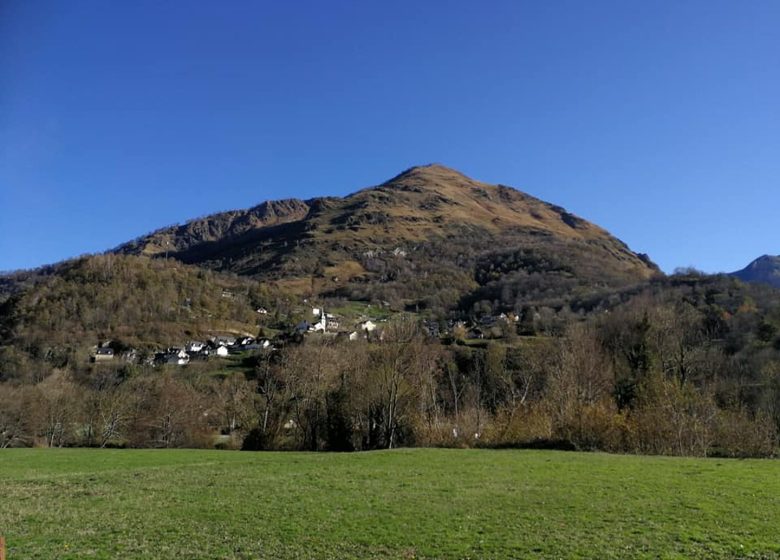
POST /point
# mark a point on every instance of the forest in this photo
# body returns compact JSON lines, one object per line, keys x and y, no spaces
{"x":684,"y":365}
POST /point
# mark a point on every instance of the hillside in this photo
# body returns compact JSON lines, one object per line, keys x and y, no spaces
{"x":763,"y":270}
{"x":213,"y":228}
{"x":430,"y":240}
{"x":137,"y":301}
{"x":686,"y":364}
{"x":430,"y":237}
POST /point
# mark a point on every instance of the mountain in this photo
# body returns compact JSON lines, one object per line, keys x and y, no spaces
{"x":429,"y":237}
{"x":763,"y":270}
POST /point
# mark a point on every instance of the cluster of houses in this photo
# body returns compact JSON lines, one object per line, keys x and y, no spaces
{"x":487,"y":326}
{"x":321,"y":322}
{"x":219,"y":347}
{"x":324,"y":322}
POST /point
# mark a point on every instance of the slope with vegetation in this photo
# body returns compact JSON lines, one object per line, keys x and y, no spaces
{"x":429,"y":237}
{"x":597,"y":350}
{"x":684,"y":366}
{"x":134,"y":301}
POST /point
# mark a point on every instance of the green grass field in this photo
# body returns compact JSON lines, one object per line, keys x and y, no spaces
{"x":400,"y":504}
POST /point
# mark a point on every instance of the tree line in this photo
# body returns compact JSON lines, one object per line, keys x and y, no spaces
{"x":646,"y":379}
{"x":688,"y":364}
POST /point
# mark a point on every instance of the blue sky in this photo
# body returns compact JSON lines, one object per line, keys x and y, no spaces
{"x":657,"y":120}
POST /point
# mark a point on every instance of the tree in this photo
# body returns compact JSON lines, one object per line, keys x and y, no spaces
{"x":398,"y":362}
{"x":59,"y":405}
{"x":17,"y":417}
{"x":581,"y":379}
{"x":168,"y":413}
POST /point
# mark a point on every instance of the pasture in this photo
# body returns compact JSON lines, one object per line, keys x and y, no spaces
{"x":416,"y":503}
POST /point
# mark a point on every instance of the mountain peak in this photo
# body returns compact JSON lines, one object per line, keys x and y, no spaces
{"x":430,"y":173}
{"x":434,"y":169}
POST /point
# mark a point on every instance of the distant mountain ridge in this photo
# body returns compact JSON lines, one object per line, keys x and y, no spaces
{"x":763,"y":270}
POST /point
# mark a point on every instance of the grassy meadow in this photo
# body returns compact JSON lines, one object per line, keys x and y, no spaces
{"x":419,"y":503}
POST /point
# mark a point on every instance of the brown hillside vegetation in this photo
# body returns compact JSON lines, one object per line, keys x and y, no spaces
{"x":430,"y":229}
{"x":596,"y":350}
{"x":145,"y":303}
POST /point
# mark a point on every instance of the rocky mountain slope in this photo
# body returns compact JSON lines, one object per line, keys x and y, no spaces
{"x":177,"y":239}
{"x":429,"y":237}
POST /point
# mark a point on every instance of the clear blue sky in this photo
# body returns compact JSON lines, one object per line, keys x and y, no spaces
{"x":657,"y":120}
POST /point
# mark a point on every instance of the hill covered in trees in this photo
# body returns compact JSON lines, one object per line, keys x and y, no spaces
{"x":459,"y":314}
{"x":688,"y":365}
{"x":135,"y":302}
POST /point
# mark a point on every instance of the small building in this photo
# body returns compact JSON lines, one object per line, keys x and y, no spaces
{"x":175,"y":360}
{"x":224,"y":341}
{"x":354,"y":335}
{"x":368,"y":326}
{"x":319,"y":326}
{"x":173,"y":356}
{"x":103,"y":354}
{"x":195,"y":346}
{"x":221,"y":351}
{"x":262,"y":311}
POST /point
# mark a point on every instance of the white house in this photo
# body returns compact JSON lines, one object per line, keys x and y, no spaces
{"x":316,"y":311}
{"x":354,"y":335}
{"x":320,"y":325}
{"x":224,"y":340}
{"x":195,"y":346}
{"x":221,"y":351}
{"x":176,"y":356}
{"x":103,"y":354}
{"x":368,"y":326}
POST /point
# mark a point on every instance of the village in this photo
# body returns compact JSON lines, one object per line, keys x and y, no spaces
{"x":321,"y":323}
